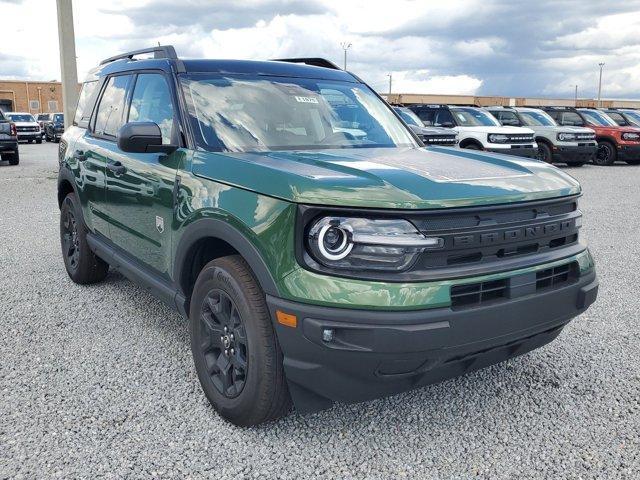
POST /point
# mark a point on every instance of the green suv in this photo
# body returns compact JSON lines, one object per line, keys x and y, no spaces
{"x":320,"y":252}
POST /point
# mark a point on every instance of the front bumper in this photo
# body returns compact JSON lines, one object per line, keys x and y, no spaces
{"x":376,"y":353}
{"x":575,"y":153}
{"x":29,"y":135}
{"x":517,"y":150}
{"x":629,"y":152}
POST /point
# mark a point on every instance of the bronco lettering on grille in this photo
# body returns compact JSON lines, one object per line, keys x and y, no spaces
{"x":512,"y":234}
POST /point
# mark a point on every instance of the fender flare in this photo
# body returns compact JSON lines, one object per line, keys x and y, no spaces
{"x":65,"y":174}
{"x":219,"y":229}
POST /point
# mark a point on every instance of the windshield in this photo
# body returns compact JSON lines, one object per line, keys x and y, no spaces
{"x":536,"y":118}
{"x":43,"y":116}
{"x":58,"y":118}
{"x":245,"y":114}
{"x":633,"y":117}
{"x":19,"y":117}
{"x":597,"y":118}
{"x":409,"y":117}
{"x":472,"y":117}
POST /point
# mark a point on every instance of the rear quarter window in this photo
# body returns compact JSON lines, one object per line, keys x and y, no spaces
{"x":85,"y":104}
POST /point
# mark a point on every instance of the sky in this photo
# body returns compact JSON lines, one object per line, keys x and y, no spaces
{"x":480,"y":47}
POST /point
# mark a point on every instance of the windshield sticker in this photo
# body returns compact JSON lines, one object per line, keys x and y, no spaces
{"x":306,"y":99}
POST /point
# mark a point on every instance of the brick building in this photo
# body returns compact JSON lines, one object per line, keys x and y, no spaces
{"x":32,"y":97}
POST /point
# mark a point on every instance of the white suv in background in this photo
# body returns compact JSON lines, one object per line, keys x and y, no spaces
{"x":574,"y":146}
{"x":479,"y":130}
{"x":27,"y":126}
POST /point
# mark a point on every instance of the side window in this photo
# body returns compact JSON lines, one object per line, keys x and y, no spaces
{"x":425,"y":114}
{"x":619,"y":119}
{"x":151,"y":102}
{"x":572,"y":119}
{"x":109,"y":115}
{"x":85,"y":103}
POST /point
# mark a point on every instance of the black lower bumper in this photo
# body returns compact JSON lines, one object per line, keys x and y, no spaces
{"x":8,"y":146}
{"x":575,"y":154}
{"x":629,"y":152}
{"x":378,"y":353}
{"x":527,"y":152}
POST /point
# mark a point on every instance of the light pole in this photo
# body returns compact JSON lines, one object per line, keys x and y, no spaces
{"x":390,"y":75}
{"x":345,"y":46}
{"x":601,"y":64}
{"x":67,"y":42}
{"x":576,"y":95}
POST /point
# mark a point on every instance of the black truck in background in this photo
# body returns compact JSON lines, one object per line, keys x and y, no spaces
{"x":8,"y":141}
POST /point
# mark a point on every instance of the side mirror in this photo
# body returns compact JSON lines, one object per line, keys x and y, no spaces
{"x":142,"y":137}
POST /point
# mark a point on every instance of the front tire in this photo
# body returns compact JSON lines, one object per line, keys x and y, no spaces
{"x":82,"y":265}
{"x":606,"y":154}
{"x":235,"y":349}
{"x":544,"y":153}
{"x":39,"y":140}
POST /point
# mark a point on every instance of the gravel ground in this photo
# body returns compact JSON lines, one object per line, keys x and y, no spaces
{"x":98,"y":381}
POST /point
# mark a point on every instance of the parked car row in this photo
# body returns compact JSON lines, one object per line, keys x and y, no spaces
{"x":574,"y":136}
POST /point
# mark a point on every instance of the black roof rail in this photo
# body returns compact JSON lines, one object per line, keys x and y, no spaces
{"x":316,"y":62}
{"x":161,"y":51}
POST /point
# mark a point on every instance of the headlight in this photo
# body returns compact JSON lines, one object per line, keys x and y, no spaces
{"x":630,"y":136}
{"x":498,"y":138}
{"x":566,"y":137}
{"x":367,"y":244}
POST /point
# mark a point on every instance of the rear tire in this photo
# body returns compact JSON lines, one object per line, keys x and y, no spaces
{"x":235,"y":348}
{"x":12,"y":158}
{"x":82,"y":265}
{"x":606,"y":154}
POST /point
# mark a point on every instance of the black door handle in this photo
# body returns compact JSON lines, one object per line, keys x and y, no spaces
{"x":79,"y":155}
{"x":117,"y":168}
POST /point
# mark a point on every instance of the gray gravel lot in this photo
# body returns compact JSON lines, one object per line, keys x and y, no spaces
{"x":98,"y":381}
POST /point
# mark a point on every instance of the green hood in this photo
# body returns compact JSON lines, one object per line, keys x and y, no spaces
{"x":403,"y":178}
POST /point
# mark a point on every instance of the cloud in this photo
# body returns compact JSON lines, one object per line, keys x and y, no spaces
{"x":492,"y":47}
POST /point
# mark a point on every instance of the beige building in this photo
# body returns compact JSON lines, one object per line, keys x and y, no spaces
{"x":32,"y":97}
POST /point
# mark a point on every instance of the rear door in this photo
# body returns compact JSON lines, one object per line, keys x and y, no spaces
{"x":140,"y":193}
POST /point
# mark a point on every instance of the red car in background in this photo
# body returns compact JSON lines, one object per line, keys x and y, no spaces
{"x":614,"y":142}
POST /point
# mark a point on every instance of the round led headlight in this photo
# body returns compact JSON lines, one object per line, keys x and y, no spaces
{"x":566,"y":137}
{"x":348,"y":243}
{"x":498,"y":138}
{"x":334,"y":242}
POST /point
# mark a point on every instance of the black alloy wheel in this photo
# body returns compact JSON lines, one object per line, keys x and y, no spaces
{"x":224,"y":343}
{"x":70,"y":239}
{"x":606,"y":154}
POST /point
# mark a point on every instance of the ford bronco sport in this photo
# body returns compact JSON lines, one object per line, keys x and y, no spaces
{"x":445,"y":137}
{"x":614,"y":142}
{"x":314,"y":264}
{"x":571,"y":145}
{"x":625,"y":117}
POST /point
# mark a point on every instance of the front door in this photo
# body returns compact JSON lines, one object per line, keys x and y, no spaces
{"x":140,"y":189}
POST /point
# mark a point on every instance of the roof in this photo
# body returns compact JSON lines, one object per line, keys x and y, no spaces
{"x":231,"y":67}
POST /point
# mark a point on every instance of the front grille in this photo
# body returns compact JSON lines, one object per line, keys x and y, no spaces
{"x":585,"y":136}
{"x":478,"y":293}
{"x":439,"y":139}
{"x":491,"y":235}
{"x":27,"y":129}
{"x":481,"y":293}
{"x":519,"y":138}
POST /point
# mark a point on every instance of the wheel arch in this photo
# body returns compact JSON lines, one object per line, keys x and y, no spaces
{"x":207,"y":239}
{"x":471,"y":141}
{"x":66,"y":185}
{"x":606,"y":138}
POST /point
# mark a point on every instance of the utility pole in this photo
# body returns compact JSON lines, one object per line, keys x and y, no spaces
{"x":390,"y":75}
{"x":68,"y":68}
{"x":600,"y":85}
{"x":576,"y":95}
{"x":345,"y":46}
